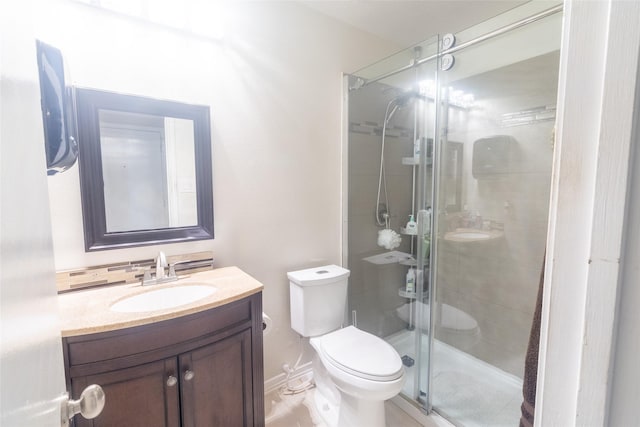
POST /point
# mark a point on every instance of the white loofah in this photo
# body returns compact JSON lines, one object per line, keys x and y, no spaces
{"x":388,"y":239}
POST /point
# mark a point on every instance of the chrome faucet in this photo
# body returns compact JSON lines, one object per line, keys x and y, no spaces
{"x":161,"y":273}
{"x":161,"y":264}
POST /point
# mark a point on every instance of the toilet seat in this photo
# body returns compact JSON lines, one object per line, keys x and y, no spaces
{"x":361,"y":354}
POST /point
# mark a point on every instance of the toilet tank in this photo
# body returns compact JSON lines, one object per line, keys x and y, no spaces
{"x":318,"y":299}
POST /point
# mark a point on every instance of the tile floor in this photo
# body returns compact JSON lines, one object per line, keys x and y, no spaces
{"x":297,"y":411}
{"x":467,"y":391}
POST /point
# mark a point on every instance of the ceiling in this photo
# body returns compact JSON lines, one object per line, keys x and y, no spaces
{"x":408,"y":22}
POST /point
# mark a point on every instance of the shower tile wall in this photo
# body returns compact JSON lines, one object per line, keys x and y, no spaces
{"x":497,"y":282}
{"x":373,"y":287}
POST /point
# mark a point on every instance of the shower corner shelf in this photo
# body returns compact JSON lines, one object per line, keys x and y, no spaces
{"x":404,"y":231}
{"x":405,"y":294}
{"x":410,"y":161}
{"x":411,"y":262}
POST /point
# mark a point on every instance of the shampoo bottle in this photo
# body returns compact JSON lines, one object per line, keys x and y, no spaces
{"x":411,"y":280}
{"x":426,"y":247}
{"x":412,"y":226}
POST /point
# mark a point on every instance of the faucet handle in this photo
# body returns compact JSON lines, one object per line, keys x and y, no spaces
{"x":172,"y":267}
{"x":146,"y":270}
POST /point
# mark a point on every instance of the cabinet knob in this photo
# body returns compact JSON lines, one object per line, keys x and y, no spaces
{"x":171,"y":381}
{"x":188,"y":375}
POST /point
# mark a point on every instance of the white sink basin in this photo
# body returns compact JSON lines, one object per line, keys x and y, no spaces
{"x":160,"y":299}
{"x":471,"y":235}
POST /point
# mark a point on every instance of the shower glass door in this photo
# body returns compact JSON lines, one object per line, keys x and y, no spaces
{"x":495,"y":137}
{"x":389,"y":167}
{"x":463,"y":144}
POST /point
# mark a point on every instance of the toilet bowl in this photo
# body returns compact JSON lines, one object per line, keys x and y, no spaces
{"x":453,"y":325}
{"x":365,"y":369}
{"x":354,"y":371}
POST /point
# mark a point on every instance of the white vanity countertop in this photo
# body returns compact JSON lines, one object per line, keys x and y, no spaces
{"x":88,"y":311}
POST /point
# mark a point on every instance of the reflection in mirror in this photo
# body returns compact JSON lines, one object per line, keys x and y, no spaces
{"x":149,"y":173}
{"x":452,"y":175}
{"x":145,"y":170}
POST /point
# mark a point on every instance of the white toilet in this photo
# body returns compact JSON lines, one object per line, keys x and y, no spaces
{"x":354,"y":371}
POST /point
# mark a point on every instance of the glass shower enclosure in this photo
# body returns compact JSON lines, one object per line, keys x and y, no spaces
{"x":448,"y":172}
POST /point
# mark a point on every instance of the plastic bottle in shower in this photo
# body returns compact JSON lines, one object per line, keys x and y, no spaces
{"x":412,"y":226}
{"x":426,"y":247}
{"x":410,"y":283}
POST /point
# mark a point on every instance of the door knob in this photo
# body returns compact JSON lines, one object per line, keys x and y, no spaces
{"x":188,"y":375}
{"x":89,"y":405}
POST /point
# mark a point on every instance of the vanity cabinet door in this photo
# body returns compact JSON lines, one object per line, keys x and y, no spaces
{"x":217,"y":384}
{"x":142,"y":396}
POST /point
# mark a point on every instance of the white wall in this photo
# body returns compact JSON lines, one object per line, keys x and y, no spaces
{"x":274,"y":88}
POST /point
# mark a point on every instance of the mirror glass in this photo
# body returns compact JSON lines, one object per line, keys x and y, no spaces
{"x":149,"y":172}
{"x":145,"y":170}
{"x":451,"y":165}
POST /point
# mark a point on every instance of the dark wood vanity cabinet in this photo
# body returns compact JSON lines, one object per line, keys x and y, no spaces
{"x":136,"y":396}
{"x":223,"y":380}
{"x":199,"y":370}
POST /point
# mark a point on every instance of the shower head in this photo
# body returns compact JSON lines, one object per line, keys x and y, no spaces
{"x":391,"y":113}
{"x":401,"y":101}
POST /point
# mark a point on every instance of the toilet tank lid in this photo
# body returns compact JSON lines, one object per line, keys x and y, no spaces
{"x":318,"y":275}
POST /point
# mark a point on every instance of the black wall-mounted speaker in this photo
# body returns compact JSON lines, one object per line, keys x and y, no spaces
{"x":57,"y":110}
